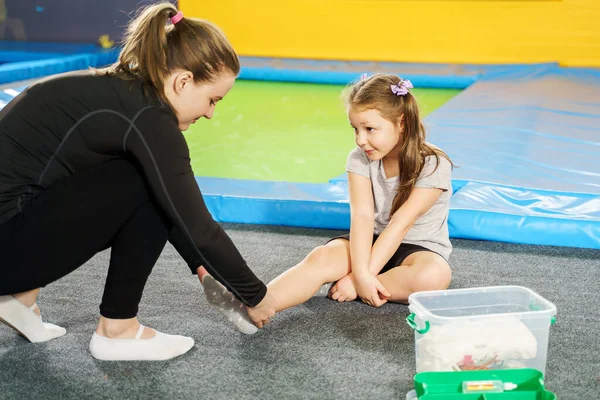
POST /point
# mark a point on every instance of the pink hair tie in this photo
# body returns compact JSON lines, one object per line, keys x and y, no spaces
{"x":177,"y":17}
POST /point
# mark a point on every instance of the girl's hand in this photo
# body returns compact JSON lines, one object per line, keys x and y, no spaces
{"x":343,"y":290}
{"x":370,"y":290}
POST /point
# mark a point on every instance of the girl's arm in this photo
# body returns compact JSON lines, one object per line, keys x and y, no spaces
{"x":362,"y":221}
{"x":417,"y":204}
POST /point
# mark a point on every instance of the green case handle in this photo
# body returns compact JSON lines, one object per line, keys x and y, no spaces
{"x":411,"y":322}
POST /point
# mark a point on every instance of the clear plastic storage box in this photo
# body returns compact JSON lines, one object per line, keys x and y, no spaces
{"x":502,"y":327}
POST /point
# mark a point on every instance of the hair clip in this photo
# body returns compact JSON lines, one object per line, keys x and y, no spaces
{"x":401,"y":89}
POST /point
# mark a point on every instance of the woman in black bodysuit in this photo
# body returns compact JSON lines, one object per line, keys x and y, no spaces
{"x":96,"y":159}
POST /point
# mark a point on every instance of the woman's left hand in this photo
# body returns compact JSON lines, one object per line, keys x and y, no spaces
{"x":370,"y":290}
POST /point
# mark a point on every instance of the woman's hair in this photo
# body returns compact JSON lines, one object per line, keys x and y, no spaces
{"x":375,"y":93}
{"x":154,"y":46}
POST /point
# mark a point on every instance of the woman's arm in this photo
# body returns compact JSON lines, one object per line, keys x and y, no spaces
{"x":159,"y":147}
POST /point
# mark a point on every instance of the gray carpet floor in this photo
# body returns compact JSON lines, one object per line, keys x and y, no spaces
{"x":319,"y":350}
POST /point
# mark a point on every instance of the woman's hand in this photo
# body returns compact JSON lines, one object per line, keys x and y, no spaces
{"x":343,"y":290}
{"x":262,"y":313}
{"x":369,"y":289}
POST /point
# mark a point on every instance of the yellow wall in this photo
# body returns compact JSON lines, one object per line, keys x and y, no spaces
{"x":450,"y":31}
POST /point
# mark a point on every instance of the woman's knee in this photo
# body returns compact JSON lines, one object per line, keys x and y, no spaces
{"x":436,"y":276}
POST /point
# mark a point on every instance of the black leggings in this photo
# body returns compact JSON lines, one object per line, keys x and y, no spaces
{"x":67,"y":224}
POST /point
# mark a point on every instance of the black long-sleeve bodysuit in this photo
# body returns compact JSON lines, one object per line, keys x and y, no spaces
{"x":76,"y":121}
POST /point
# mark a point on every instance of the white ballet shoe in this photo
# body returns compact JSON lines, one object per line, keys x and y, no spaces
{"x":26,"y":322}
{"x":159,"y":347}
{"x":48,"y":325}
{"x":224,"y":302}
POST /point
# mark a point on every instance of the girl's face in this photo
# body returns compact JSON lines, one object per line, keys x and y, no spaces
{"x":374,"y":134}
{"x":194,"y":100}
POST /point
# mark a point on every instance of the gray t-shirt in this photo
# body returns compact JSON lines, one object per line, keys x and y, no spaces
{"x":431,"y":229}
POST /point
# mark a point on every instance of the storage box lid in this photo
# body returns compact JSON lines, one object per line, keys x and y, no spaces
{"x":486,"y":302}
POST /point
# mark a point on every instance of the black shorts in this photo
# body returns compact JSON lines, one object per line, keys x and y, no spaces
{"x":405,"y":250}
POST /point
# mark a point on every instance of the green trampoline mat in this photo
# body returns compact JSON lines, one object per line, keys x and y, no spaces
{"x":279,"y":131}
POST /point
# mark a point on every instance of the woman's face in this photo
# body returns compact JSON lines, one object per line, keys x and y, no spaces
{"x":194,"y":100}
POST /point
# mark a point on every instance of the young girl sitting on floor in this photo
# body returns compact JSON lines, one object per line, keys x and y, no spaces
{"x":400,"y":189}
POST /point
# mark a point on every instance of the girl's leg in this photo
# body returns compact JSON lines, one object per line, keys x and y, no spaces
{"x":420,"y":271}
{"x":324,"y":264}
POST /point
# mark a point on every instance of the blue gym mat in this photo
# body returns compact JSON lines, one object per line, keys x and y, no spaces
{"x":24,"y":60}
{"x":526,"y":139}
{"x":528,"y":145}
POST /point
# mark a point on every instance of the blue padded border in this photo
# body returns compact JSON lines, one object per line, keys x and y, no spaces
{"x":34,"y":60}
{"x":494,"y":212}
{"x":276,"y":203}
{"x":477,"y":210}
{"x":41,"y":48}
{"x":446,"y":76}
